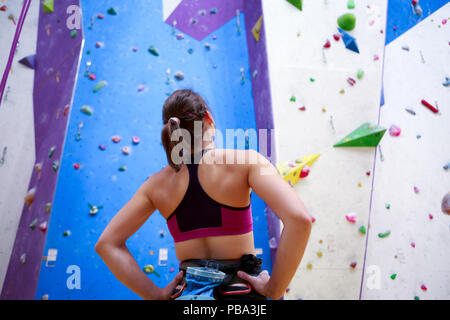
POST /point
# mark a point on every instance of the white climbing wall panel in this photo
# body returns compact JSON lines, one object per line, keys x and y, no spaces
{"x":409,"y":162}
{"x":16,"y":125}
{"x":337,"y":184}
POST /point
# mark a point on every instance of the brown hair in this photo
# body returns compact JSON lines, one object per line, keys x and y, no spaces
{"x":180,"y":110}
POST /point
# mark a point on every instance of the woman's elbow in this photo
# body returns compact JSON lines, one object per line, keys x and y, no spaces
{"x":302,"y":220}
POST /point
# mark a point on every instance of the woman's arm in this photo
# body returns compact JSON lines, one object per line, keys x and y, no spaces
{"x":283,"y":200}
{"x":112,"y":249}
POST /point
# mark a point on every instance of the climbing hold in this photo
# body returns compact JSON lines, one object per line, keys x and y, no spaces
{"x":303,"y":108}
{"x":368,"y":173}
{"x":388,"y":206}
{"x":416,"y":190}
{"x":293,"y":99}
{"x":141,"y":87}
{"x":48,"y":6}
{"x":296,"y":3}
{"x":29,"y":197}
{"x":92,"y":76}
{"x":55,"y":165}
{"x":135,"y":139}
{"x":423,"y":287}
{"x":327,"y":44}
{"x":430,"y":216}
{"x":416,"y":7}
{"x":353,"y":265}
{"x":349,"y":41}
{"x":43,"y":226}
{"x":405,"y":47}
{"x":48,"y":207}
{"x":33,"y":224}
{"x":76,"y":166}
{"x":429,"y":106}
{"x":179,"y":75}
{"x":45,"y":297}
{"x":115,"y":139}
{"x":213,"y":11}
{"x":313,"y":219}
{"x":100,"y":85}
{"x":445,"y":204}
{"x":384,"y":234}
{"x":366,"y":135}
{"x":290,"y":171}
{"x":112,"y":11}
{"x":395,"y":131}
{"x":413,"y":244}
{"x":360,"y":74}
{"x":51,"y":152}
{"x":126,"y":150}
{"x":256,"y":30}
{"x":351,"y":4}
{"x":29,"y":61}
{"x":153,"y":51}
{"x":101,"y":147}
{"x":23,"y":258}
{"x":190,"y":50}
{"x":309,"y":266}
{"x":150,"y":269}
{"x":319,"y":254}
{"x":3,"y":8}
{"x":305,"y":172}
{"x":207,"y":46}
{"x":376,"y":57}
{"x":393,"y":276}
{"x":87,"y":110}
{"x":179,"y":36}
{"x":161,"y":233}
{"x":347,"y":21}
{"x":351,"y":217}
{"x":416,"y":298}
{"x":410,"y":111}
{"x":446,"y":82}
{"x":73,"y":33}
{"x":99,"y":44}
{"x":100,"y":16}
{"x":362,"y":229}
{"x":66,"y":233}
{"x":337,"y":36}
{"x":93,"y":210}
{"x":123,"y":168}
{"x":273,"y":243}
{"x":351,"y":81}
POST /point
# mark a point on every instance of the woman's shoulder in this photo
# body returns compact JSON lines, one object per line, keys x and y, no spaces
{"x":233,"y":156}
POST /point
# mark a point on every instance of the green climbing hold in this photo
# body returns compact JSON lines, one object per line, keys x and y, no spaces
{"x":87,"y":110}
{"x":51,"y":152}
{"x":347,"y":21}
{"x":66,"y":233}
{"x":48,"y":6}
{"x":393,"y":276}
{"x":73,"y":33}
{"x":48,"y":207}
{"x":366,"y":135}
{"x":123,"y":168}
{"x":360,"y":73}
{"x":55,"y":165}
{"x":33,"y":224}
{"x":293,"y":99}
{"x":150,"y":269}
{"x":362,"y":229}
{"x":100,"y":85}
{"x":153,"y":51}
{"x":112,"y":11}
{"x":384,"y":234}
{"x":351,"y":4}
{"x":296,"y":3}
{"x":416,"y":298}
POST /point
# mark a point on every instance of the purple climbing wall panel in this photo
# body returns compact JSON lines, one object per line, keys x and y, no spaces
{"x":57,"y":60}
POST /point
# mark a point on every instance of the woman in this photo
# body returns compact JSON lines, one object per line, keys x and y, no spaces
{"x":208,"y":212}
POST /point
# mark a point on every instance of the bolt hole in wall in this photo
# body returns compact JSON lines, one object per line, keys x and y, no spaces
{"x":131,"y":61}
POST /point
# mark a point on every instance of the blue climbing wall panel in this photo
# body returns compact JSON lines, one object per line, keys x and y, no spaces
{"x":121,"y":109}
{"x":402,"y":17}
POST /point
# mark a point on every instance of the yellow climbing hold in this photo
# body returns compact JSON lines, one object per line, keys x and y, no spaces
{"x":257,"y":29}
{"x":290,"y":170}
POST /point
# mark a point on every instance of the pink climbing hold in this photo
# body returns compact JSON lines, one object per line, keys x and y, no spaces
{"x":313,"y":219}
{"x":126,"y":150}
{"x":100,"y":16}
{"x":141,"y":87}
{"x":115,"y":139}
{"x":351,"y":217}
{"x":430,"y":216}
{"x":351,"y":81}
{"x":423,"y":287}
{"x":135,"y":139}
{"x":395,"y":131}
{"x":92,"y":76}
{"x":416,"y":190}
{"x":101,"y":147}
{"x":305,"y":172}
{"x":413,"y":244}
{"x":444,"y":21}
{"x":376,"y":57}
{"x":327,"y":44}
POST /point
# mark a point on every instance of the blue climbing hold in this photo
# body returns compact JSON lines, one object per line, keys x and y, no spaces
{"x":349,"y":41}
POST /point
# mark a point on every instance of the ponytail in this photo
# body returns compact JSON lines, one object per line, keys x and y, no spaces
{"x":166,"y":134}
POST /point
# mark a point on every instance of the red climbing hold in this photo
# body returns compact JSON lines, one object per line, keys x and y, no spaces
{"x":92,"y":76}
{"x":336,"y":36}
{"x":368,"y":173}
{"x":43,"y":226}
{"x":3,"y":8}
{"x":305,"y":172}
{"x":100,"y":16}
{"x":423,"y":287}
{"x":430,"y":216}
{"x":429,"y":106}
{"x":327,"y":44}
{"x":76,"y":166}
{"x":413,"y":244}
{"x":313,"y":219}
{"x":353,"y":265}
{"x":115,"y":139}
{"x":302,"y":108}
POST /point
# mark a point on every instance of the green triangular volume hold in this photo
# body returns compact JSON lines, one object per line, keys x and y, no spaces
{"x":367,"y":135}
{"x":48,"y":6}
{"x":296,"y":3}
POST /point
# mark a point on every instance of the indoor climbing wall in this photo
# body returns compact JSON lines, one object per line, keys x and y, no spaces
{"x":17,"y":150}
{"x":324,"y":86}
{"x":411,"y":178}
{"x":133,"y":58}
